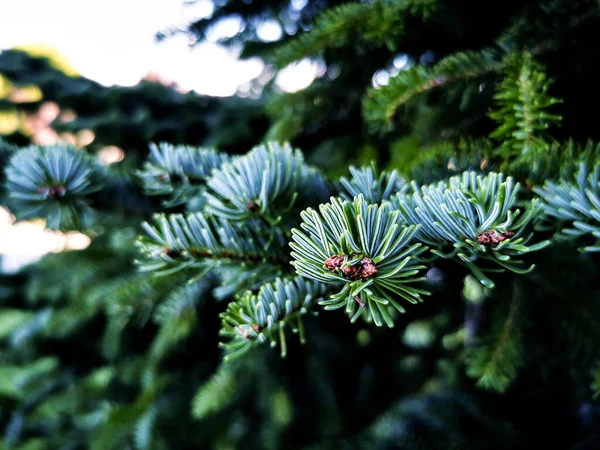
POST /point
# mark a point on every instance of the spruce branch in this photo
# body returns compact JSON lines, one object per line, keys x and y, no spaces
{"x":381,"y":104}
{"x":523,"y":110}
{"x":202,"y":240}
{"x":365,"y":250}
{"x":575,"y":204}
{"x":471,"y":218}
{"x":52,"y":183}
{"x":263,"y":317}
{"x":375,"y":187}
{"x":178,"y":171}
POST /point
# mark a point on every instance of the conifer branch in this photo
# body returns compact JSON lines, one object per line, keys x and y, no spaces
{"x":575,"y":204}
{"x":380,"y":104}
{"x":494,"y":362}
{"x":365,"y":249}
{"x":216,"y":393}
{"x":52,"y":183}
{"x":378,"y":21}
{"x":523,"y":115}
{"x":202,"y":240}
{"x":176,"y":317}
{"x":375,"y":187}
{"x":471,"y":217}
{"x":266,"y":182}
{"x":178,"y":171}
{"x":263,"y":317}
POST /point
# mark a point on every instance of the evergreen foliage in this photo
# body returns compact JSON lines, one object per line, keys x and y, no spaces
{"x":264,"y":316}
{"x":474,"y":217}
{"x":524,"y":112}
{"x":364,"y":247}
{"x":378,"y":21}
{"x":381,"y":104}
{"x":208,"y":250}
{"x":375,"y":188}
{"x":176,"y":171}
{"x":52,"y":183}
{"x":575,"y":204}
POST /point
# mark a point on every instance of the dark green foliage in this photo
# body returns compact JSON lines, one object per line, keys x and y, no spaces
{"x":380,"y":21}
{"x":495,"y":360}
{"x":381,"y":104}
{"x":524,"y":113}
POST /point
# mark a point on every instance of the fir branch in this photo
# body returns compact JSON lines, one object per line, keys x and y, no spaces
{"x":365,"y":249}
{"x":380,"y":21}
{"x":178,"y":171}
{"x":559,"y":161}
{"x":13,"y":319}
{"x":575,"y":204}
{"x":496,"y":359}
{"x":523,"y":115}
{"x":471,"y":217}
{"x":444,"y":159}
{"x":52,"y":183}
{"x":177,"y":318}
{"x":142,"y":433}
{"x":263,"y":317}
{"x":18,"y":381}
{"x":381,"y":104}
{"x":216,"y":394}
{"x":202,"y":240}
{"x":375,"y":187}
{"x":71,"y":399}
{"x":118,"y":419}
{"x":265,"y":182}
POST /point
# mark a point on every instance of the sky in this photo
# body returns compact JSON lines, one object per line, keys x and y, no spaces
{"x":113,"y":42}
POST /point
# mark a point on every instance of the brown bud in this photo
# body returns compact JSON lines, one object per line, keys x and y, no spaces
{"x":492,"y":238}
{"x":172,"y":253}
{"x":253,"y":205}
{"x":53,"y":191}
{"x":368,"y":269}
{"x":57,"y":191}
{"x":352,"y":272}
{"x":334,"y":262}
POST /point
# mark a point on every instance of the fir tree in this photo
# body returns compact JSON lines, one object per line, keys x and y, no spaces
{"x":446,"y":300}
